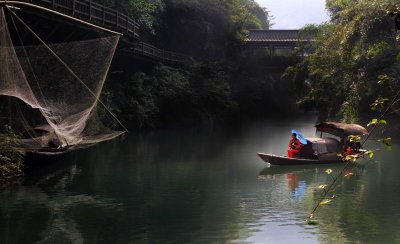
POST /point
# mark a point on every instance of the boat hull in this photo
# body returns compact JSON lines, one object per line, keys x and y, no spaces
{"x":284,"y":160}
{"x":45,"y":155}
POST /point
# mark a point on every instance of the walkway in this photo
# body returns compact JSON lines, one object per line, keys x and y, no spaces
{"x":109,"y":18}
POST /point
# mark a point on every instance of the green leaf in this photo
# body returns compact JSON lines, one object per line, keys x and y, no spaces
{"x":373,"y":122}
{"x":382,"y":122}
{"x":383,"y":78}
{"x":378,"y":104}
{"x":4,"y":158}
{"x":387,"y":141}
{"x":322,"y":186}
{"x":353,"y":157}
{"x":353,"y":138}
{"x":326,"y":201}
{"x":312,"y":222}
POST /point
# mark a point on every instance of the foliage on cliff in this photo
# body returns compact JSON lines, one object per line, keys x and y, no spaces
{"x":212,"y":32}
{"x":11,"y":158}
{"x":199,"y":94}
{"x":202,"y":28}
{"x":212,"y":29}
{"x":358,"y":47}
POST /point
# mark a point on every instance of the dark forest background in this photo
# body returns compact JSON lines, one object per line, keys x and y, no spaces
{"x":221,"y":83}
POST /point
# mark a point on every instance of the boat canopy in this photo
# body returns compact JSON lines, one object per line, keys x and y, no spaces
{"x":341,"y":129}
{"x":324,"y":145}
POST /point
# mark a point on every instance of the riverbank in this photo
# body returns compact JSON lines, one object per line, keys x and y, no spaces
{"x":202,"y":93}
{"x":11,"y":158}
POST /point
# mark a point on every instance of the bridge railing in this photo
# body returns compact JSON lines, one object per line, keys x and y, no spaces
{"x":95,"y":13}
{"x":155,"y":53}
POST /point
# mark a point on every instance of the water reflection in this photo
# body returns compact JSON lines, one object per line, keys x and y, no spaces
{"x":183,"y":186}
{"x":295,"y":179}
{"x":297,"y":187}
{"x":363,"y":200}
{"x":298,"y":193}
{"x":45,"y":208}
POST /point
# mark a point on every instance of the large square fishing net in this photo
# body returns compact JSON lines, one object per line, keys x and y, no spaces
{"x":62,"y":81}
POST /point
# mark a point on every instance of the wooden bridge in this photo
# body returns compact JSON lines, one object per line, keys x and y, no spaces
{"x":100,"y":15}
{"x":275,"y":43}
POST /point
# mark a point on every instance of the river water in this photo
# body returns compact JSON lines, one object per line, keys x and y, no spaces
{"x":200,"y":186}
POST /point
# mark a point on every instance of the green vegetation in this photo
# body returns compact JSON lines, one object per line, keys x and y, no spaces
{"x":350,"y":53}
{"x":209,"y":29}
{"x":145,"y":12}
{"x":376,"y":50}
{"x":259,"y":12}
{"x":11,"y":158}
{"x":221,"y":84}
{"x":202,"y":28}
{"x":198,"y":94}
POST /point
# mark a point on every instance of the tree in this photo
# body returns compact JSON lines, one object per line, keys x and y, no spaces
{"x":212,"y":29}
{"x":146,"y":13}
{"x":349,"y":54}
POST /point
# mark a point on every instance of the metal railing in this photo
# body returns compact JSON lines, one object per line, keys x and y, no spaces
{"x":155,"y":53}
{"x":106,"y":17}
{"x":94,"y":13}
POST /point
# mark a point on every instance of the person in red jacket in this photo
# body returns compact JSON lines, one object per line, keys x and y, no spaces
{"x":294,"y":146}
{"x":346,"y":150}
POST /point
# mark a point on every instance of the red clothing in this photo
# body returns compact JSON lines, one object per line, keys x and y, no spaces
{"x":293,"y":147}
{"x":294,"y":143}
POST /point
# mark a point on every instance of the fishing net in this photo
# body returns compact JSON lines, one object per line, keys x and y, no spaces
{"x":61,"y":81}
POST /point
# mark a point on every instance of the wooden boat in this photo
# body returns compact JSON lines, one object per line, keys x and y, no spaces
{"x":324,"y":150}
{"x":284,"y":160}
{"x":42,"y":140}
{"x":37,"y":156}
{"x":48,"y":151}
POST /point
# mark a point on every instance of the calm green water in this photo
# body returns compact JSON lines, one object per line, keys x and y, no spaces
{"x":200,"y":186}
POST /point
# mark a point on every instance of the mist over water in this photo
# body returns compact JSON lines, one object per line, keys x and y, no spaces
{"x":200,"y":186}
